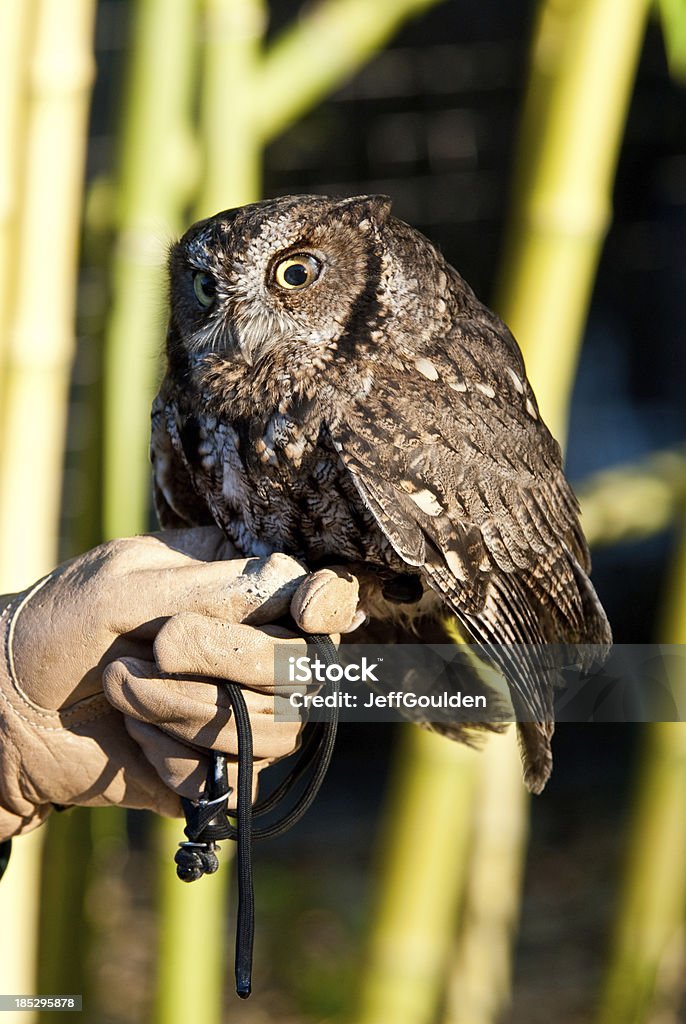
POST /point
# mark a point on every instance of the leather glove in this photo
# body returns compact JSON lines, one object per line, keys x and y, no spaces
{"x":88,"y":712}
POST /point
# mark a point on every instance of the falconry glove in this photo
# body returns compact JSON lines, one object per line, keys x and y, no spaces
{"x":96,"y":703}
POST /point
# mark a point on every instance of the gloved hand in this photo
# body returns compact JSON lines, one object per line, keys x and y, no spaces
{"x":88,"y":713}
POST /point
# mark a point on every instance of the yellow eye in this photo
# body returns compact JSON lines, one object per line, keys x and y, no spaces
{"x":297,"y":272}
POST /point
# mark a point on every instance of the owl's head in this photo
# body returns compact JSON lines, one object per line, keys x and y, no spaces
{"x":300,"y":269}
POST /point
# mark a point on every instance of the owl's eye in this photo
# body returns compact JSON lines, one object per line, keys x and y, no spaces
{"x":296,"y":272}
{"x":205,"y":288}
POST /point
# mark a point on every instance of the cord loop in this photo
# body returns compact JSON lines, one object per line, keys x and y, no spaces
{"x":207,"y":819}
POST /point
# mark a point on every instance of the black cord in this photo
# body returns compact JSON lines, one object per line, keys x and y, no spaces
{"x":207,"y":819}
{"x":5,"y":851}
{"x":245,"y":924}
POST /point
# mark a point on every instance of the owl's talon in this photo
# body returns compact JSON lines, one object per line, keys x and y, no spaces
{"x":360,"y":618}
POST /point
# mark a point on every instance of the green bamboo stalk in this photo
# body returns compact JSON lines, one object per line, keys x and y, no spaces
{"x":652,"y":897}
{"x":231,"y":162}
{"x":651,"y":907}
{"x":426,"y":838}
{"x":72,"y":855}
{"x":232,"y":69}
{"x":64,"y":931}
{"x":572,"y":123}
{"x":574,"y":114}
{"x":673,"y":16}
{"x":41,"y":337}
{"x":16,"y":23}
{"x":158,"y":170}
{"x":19,"y":908}
{"x":480,"y":980}
{"x":156,"y":177}
{"x":332,"y":41}
{"x":191,"y":937}
{"x":40,"y":345}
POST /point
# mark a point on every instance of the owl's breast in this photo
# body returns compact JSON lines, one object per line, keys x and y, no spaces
{"x":276,"y":483}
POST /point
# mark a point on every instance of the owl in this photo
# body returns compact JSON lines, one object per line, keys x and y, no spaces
{"x":335,"y":390}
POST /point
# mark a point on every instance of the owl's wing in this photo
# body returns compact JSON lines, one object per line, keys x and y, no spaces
{"x":177,"y":503}
{"x":450,"y":455}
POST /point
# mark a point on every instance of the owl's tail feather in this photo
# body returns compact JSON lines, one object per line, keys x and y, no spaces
{"x":534,"y":745}
{"x":472,"y":734}
{"x":537,"y":757}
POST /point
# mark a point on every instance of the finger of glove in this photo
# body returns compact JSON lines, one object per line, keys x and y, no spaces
{"x":200,"y":712}
{"x":181,"y":768}
{"x":168,"y":549}
{"x":197,"y":645}
{"x":326,"y":601}
{"x":199,"y":543}
{"x":254,"y":590}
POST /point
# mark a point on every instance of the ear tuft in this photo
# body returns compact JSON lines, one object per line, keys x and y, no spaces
{"x":365,"y":211}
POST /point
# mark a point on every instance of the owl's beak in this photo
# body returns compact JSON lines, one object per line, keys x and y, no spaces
{"x":250,"y":335}
{"x":248,"y":341}
{"x":237,"y":344}
{"x":243,"y":348}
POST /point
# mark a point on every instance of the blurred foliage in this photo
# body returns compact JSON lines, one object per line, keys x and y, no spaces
{"x":479,"y":974}
{"x":572,"y":126}
{"x":647,"y":956}
{"x":46,"y":164}
{"x":154,"y":185}
{"x":635,"y":501}
{"x":426,"y":841}
{"x":47,"y":68}
{"x":67,"y":860}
